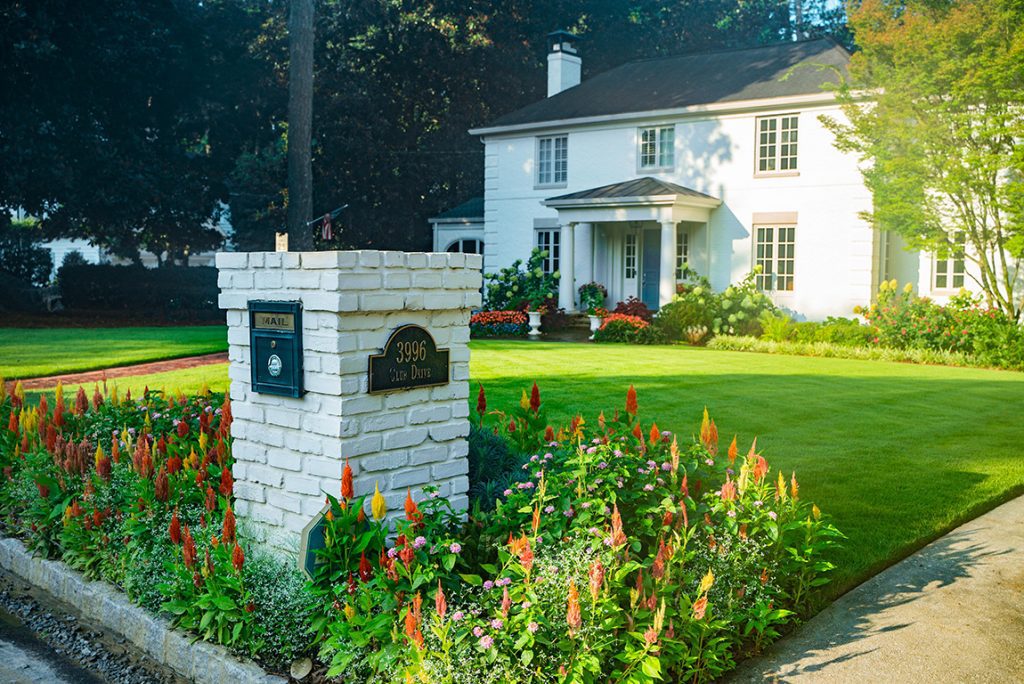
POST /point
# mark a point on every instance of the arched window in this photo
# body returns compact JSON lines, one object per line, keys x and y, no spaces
{"x":467,"y":246}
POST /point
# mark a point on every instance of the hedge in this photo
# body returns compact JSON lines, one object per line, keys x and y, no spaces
{"x":170,"y":291}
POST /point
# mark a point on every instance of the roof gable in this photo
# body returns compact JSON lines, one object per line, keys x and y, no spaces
{"x":771,"y":71}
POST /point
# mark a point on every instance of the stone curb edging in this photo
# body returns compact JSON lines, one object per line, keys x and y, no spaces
{"x":199,"y":661}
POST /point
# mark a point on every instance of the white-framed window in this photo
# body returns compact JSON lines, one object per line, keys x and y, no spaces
{"x":776,"y":143}
{"x":630,"y":256}
{"x":549,"y":240}
{"x":553,"y":160}
{"x":682,"y":251}
{"x":949,"y":272}
{"x":774,"y":253}
{"x":657,"y":147}
{"x":466,"y":246}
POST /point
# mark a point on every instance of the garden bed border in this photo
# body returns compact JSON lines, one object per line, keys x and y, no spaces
{"x":198,"y":660}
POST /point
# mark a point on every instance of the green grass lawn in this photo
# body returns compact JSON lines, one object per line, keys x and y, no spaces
{"x":36,"y":352}
{"x":897,"y":454}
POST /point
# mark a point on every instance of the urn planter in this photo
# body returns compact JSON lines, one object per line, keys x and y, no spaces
{"x":595,"y":323}
{"x":534,"y":317}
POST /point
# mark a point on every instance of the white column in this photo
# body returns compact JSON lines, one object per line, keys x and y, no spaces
{"x":583,"y":239}
{"x":567,"y":283}
{"x":667,"y":276}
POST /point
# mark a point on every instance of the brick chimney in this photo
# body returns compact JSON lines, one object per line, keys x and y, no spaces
{"x":564,"y":63}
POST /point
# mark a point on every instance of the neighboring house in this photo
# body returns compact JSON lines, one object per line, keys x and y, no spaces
{"x":461,"y":228}
{"x":715,"y":162}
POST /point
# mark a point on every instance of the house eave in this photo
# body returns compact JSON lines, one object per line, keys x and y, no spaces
{"x":649,"y":200}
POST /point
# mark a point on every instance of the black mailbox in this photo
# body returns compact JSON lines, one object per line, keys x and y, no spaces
{"x":275,"y":340}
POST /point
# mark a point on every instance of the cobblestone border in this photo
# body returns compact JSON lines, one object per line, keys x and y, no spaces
{"x":200,"y":661}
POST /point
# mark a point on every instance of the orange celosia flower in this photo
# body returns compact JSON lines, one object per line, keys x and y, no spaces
{"x":188,"y":551}
{"x":655,"y":434}
{"x":81,"y":402}
{"x":346,"y":481}
{"x":618,"y":536}
{"x":638,"y":432}
{"x":733,"y":451}
{"x":228,"y":529}
{"x":535,"y":399}
{"x":549,"y":434}
{"x":760,"y":468}
{"x":699,"y":608}
{"x":572,"y":611}
{"x":794,"y":488}
{"x":211,"y":499}
{"x":227,"y":483}
{"x":412,"y":511}
{"x":506,"y":603}
{"x":631,"y":405}
{"x":536,"y":519}
{"x":709,"y":434}
{"x":237,"y":558}
{"x":440,"y":603}
{"x":684,"y":488}
{"x":728,"y":492}
{"x":596,"y":579}
{"x":526,"y":555}
{"x":162,"y":487}
{"x":481,"y":403}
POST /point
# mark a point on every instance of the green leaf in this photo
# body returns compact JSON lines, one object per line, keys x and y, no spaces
{"x":224,"y":603}
{"x":472,"y":580}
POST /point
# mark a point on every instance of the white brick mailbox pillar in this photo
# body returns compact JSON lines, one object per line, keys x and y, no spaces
{"x":288,"y":451}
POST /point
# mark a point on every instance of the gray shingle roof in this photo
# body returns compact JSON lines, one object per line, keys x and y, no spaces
{"x":470,"y":209}
{"x":638,"y":187}
{"x":694,"y":79}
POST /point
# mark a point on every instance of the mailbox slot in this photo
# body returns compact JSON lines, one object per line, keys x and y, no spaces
{"x":275,"y":346}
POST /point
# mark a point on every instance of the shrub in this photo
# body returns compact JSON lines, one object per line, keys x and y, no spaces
{"x":634,"y":307}
{"x":493,"y":467}
{"x":618,"y":327}
{"x":592,"y":296}
{"x":514,"y":287}
{"x":172,"y":291}
{"x":21,"y":256}
{"x":498,"y":324}
{"x":842,"y":351}
{"x":698,"y":312}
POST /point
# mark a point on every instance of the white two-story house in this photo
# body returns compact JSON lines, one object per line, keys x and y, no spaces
{"x":716,"y":162}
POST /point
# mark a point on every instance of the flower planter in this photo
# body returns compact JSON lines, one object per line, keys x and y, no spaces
{"x":595,"y":323}
{"x":534,"y":323}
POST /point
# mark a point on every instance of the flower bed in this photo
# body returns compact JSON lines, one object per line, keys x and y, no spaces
{"x":499,"y":324}
{"x":619,"y":327}
{"x":617,"y":553}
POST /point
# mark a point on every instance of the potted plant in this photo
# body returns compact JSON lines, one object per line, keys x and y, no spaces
{"x":538,"y":288}
{"x":592,"y":296}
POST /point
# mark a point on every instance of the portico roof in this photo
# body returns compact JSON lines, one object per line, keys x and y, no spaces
{"x":639,"y":191}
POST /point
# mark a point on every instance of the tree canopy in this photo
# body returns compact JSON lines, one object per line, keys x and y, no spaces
{"x":934,"y":111}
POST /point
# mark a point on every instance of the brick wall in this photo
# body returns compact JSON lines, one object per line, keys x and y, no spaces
{"x":289,"y":451}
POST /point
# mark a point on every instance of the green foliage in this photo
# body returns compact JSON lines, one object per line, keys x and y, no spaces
{"x":592,"y":297}
{"x":173,"y":292}
{"x":778,"y":327}
{"x":698,"y":312}
{"x":514,"y":286}
{"x":617,"y":327}
{"x":20,"y":254}
{"x":941,"y":135}
{"x":843,"y":351}
{"x":493,"y":466}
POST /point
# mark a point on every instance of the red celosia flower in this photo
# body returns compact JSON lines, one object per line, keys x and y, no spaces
{"x":481,"y":403}
{"x":347,"y":490}
{"x":666,"y":520}
{"x":162,"y":487}
{"x":228,"y":529}
{"x":365,"y":571}
{"x":535,"y":398}
{"x":237,"y":558}
{"x":227,"y":484}
{"x":512,"y":426}
{"x":182,"y":427}
{"x":526,"y":555}
{"x":188,"y":550}
{"x":407,"y":554}
{"x":572,"y":610}
{"x":549,"y":434}
{"x":440,"y":603}
{"x":12,"y":422}
{"x":631,"y":405}
{"x":44,"y":491}
{"x":81,"y":402}
{"x":699,"y":607}
{"x":211,"y":499}
{"x":161,"y":445}
{"x":103,"y":467}
{"x":173,"y":465}
{"x":175,"y":528}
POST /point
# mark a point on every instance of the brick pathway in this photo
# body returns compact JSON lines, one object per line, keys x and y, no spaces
{"x":126,"y":371}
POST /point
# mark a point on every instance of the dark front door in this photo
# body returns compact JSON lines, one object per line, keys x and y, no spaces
{"x":651,"y":268}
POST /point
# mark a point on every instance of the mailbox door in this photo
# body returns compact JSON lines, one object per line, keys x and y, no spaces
{"x":275,"y":364}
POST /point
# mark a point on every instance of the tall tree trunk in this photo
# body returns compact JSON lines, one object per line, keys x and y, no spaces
{"x":300,"y":124}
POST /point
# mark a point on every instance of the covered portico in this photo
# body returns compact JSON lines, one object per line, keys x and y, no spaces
{"x":633,"y":237}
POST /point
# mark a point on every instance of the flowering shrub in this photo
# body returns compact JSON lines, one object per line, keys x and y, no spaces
{"x":515,"y":287}
{"x":617,"y":327}
{"x":139,"y":492}
{"x":735,"y":311}
{"x":624,"y":556}
{"x":634,"y":307}
{"x":498,"y":323}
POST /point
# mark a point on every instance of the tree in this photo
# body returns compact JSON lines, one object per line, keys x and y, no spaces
{"x":933,"y":108}
{"x":300,"y":124}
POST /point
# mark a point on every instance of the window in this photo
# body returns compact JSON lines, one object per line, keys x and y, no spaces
{"x":949,"y":270}
{"x":657,"y":148}
{"x":774,"y":254}
{"x":548,"y":241}
{"x":552,"y":160}
{"x":682,"y":252}
{"x":630,"y":256}
{"x":467,"y":246}
{"x":776,"y":143}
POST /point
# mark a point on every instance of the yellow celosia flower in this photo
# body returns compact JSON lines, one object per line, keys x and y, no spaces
{"x":19,"y":392}
{"x":524,"y":401}
{"x":350,"y":612}
{"x":816,"y":512}
{"x":99,"y":455}
{"x":908,"y":288}
{"x":202,"y":441}
{"x":378,"y":506}
{"x":706,"y":582}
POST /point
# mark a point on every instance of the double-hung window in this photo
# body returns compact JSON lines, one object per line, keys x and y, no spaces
{"x":548,"y":241}
{"x":657,"y":147}
{"x":949,"y":271}
{"x":682,"y":252}
{"x":774,"y":254}
{"x":776,"y":143}
{"x":553,"y":160}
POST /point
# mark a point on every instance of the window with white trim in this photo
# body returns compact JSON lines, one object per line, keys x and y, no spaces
{"x":629,"y":253}
{"x":548,"y":240}
{"x":552,"y":160}
{"x":776,"y":143}
{"x":467,"y":246}
{"x":949,"y":271}
{"x":774,"y":253}
{"x":657,"y":147}
{"x":682,"y":251}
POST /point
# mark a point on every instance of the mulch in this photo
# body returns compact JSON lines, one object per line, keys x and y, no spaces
{"x":98,"y":376}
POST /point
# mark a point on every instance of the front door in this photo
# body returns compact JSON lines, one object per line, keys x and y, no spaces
{"x":650,"y":268}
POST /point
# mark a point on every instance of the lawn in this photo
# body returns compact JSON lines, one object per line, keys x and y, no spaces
{"x":898,"y":454}
{"x":35,"y":352}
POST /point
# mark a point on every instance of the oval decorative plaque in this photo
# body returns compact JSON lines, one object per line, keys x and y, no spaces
{"x":410,"y":359}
